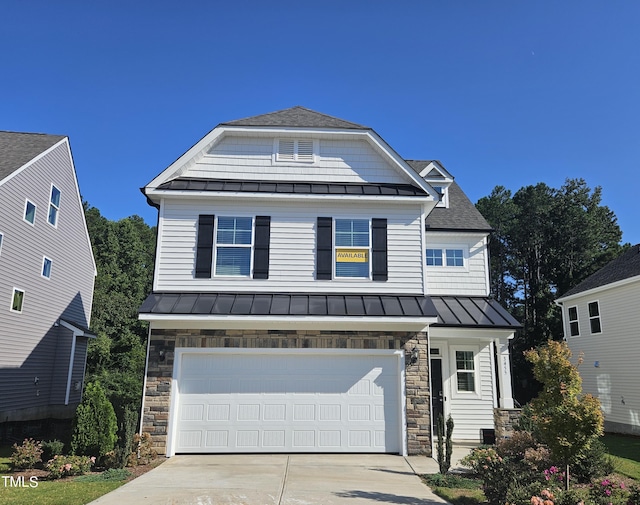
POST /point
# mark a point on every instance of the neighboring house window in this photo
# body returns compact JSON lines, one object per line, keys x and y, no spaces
{"x":574,"y":327}
{"x":17,"y":300}
{"x":352,"y":248}
{"x":234,"y":245}
{"x":445,"y":257}
{"x":54,"y":206}
{"x":46,"y":267}
{"x":594,"y":317}
{"x":300,"y":150}
{"x":30,"y":212}
{"x":465,"y":371}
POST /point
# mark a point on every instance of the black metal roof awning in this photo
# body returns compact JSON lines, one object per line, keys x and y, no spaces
{"x":291,"y":187}
{"x":455,"y":311}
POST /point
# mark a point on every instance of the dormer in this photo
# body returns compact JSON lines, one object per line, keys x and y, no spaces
{"x":438,"y":177}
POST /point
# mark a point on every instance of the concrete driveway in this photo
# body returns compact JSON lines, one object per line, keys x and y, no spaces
{"x":297,"y":479}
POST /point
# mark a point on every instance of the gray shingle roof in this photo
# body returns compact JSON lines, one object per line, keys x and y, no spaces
{"x":623,"y":267}
{"x":296,"y":117}
{"x":292,"y":187}
{"x":460,"y":216}
{"x":16,"y":149}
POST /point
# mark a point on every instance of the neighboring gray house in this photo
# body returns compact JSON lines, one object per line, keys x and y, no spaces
{"x":47,"y":273}
{"x":315,"y":292}
{"x":601,"y":318}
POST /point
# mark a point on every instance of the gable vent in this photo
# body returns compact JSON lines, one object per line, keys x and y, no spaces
{"x":295,"y":150}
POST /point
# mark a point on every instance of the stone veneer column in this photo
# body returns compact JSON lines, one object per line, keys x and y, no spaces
{"x":157,"y":395}
{"x":418,"y":398}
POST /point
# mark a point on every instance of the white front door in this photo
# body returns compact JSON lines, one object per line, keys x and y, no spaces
{"x":251,"y":400}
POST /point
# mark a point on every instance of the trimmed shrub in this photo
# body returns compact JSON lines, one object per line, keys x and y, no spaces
{"x":95,"y":424}
{"x":65,"y":466}
{"x":591,"y":463}
{"x":143,"y":452}
{"x":125,"y":436}
{"x":27,"y":455}
{"x":444,"y":445}
{"x":51,"y":448}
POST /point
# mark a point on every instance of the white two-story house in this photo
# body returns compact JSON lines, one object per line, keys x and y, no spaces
{"x":315,"y":292}
{"x":601,"y":316}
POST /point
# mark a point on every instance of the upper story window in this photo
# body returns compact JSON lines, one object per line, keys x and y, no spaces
{"x":46,"y":267}
{"x":1,"y":237}
{"x":234,"y":241}
{"x":445,"y":257}
{"x":54,"y":206}
{"x":30,"y":212}
{"x":352,"y":248}
{"x":297,"y":150}
{"x":594,"y":317}
{"x":17,"y":300}
{"x":574,"y":327}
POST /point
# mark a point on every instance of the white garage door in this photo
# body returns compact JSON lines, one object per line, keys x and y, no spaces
{"x":293,"y":402}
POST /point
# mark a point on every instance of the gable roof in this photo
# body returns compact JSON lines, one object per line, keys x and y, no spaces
{"x":296,"y":117}
{"x":17,"y":149}
{"x":623,"y":267}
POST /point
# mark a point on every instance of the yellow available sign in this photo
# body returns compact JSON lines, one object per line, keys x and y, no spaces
{"x":352,"y":255}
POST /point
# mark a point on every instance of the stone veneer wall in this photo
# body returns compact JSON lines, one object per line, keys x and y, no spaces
{"x":160,"y":369}
{"x":504,"y":419}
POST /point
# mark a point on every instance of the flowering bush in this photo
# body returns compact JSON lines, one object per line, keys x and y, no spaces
{"x":546,"y":498}
{"x":609,"y":492}
{"x":64,"y":466}
{"x":143,"y":452}
{"x":554,"y":474}
{"x":27,"y":455}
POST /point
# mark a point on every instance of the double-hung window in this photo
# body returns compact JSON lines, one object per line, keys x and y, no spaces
{"x":594,"y":317}
{"x":574,"y":327}
{"x":434,"y":257}
{"x":234,"y":241}
{"x":465,"y":371}
{"x":352,"y":246}
{"x":54,"y":206}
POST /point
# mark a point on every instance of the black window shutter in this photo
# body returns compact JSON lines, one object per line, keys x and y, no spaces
{"x":379,"y":252}
{"x":261,"y":248}
{"x":324,"y":248}
{"x":204,"y":248}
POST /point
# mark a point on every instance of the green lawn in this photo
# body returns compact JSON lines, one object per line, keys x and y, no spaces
{"x":48,"y":492}
{"x":625,"y":451}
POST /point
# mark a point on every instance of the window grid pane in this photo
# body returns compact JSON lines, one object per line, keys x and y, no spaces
{"x":455,"y":258}
{"x":234,"y":230}
{"x":466,"y":382}
{"x":30,"y":212}
{"x":18,"y":298}
{"x":46,"y":268}
{"x":352,"y":233}
{"x":233,"y":261}
{"x":594,"y":309}
{"x":53,"y":215}
{"x":434,"y":257}
{"x":55,"y":196}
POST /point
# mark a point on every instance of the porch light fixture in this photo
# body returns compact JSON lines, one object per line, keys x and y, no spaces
{"x":412,"y":358}
{"x":161,"y":355}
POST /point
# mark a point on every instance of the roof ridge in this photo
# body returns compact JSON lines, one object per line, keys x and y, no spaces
{"x":296,"y":117}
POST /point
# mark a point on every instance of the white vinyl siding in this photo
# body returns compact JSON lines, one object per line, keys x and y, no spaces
{"x":467,"y":280}
{"x":337,"y":160}
{"x":292,"y":257}
{"x":616,"y":350}
{"x":471,"y":411}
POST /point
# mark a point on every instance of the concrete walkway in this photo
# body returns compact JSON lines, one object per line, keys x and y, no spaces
{"x":296,"y":479}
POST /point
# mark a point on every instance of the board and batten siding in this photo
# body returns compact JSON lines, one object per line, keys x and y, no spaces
{"x":29,"y":341}
{"x":470,"y":413}
{"x":241,"y":157}
{"x":470,"y":280}
{"x":616,"y":350}
{"x":292,"y":261}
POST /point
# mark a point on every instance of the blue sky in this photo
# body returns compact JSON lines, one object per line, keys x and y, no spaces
{"x":505,"y":93}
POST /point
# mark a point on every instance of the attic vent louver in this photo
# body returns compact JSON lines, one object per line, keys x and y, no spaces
{"x":295,"y":150}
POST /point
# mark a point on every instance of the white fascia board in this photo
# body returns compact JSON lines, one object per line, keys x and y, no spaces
{"x":462,"y":334}
{"x":599,"y":289}
{"x":233,"y":195}
{"x":178,"y":166}
{"x":32,"y":161}
{"x":189,"y":321}
{"x":448,"y":178}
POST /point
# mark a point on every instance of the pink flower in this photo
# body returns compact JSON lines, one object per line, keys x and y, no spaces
{"x":93,"y":459}
{"x":67,"y":467}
